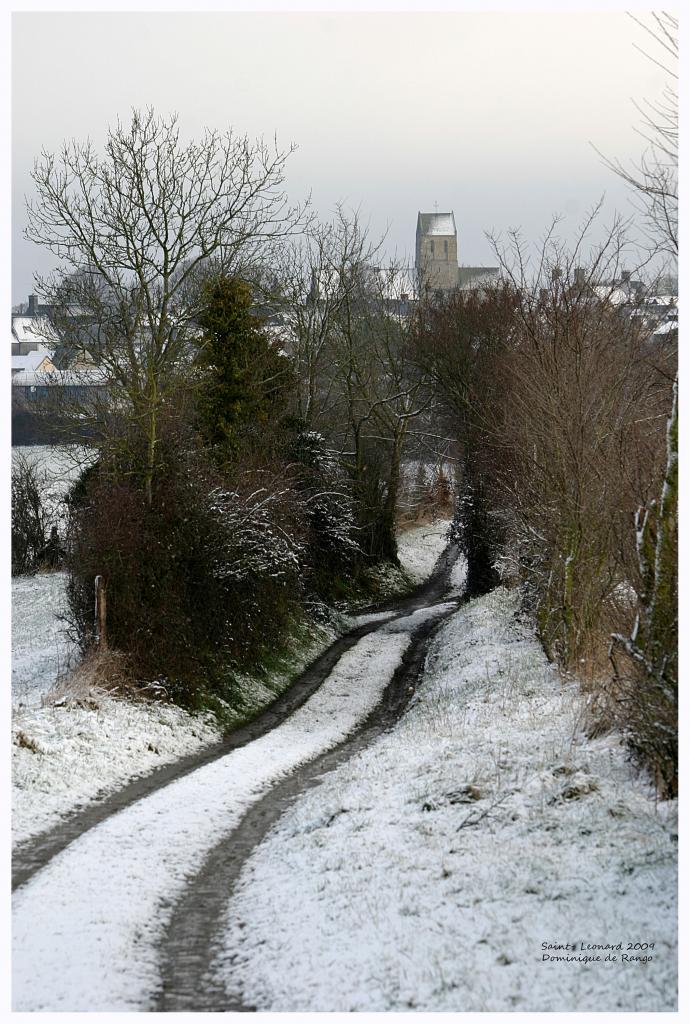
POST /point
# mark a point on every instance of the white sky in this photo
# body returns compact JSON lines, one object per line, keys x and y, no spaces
{"x":488,"y":114}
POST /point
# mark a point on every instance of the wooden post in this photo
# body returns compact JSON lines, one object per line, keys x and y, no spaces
{"x":100,"y":609}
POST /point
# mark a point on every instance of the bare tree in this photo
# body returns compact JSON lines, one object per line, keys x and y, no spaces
{"x":318,"y":275}
{"x":381,"y":392}
{"x":654,"y":178}
{"x":133,"y":230}
{"x":356,"y":381}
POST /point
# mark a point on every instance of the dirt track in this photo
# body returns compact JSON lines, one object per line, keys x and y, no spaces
{"x":194,"y":930}
{"x":189,"y":941}
{"x":30,"y":857}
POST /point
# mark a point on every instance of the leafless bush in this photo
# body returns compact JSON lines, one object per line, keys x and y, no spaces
{"x":426,"y":496}
{"x":581,"y":438}
{"x":29,"y":516}
{"x":561,"y":399}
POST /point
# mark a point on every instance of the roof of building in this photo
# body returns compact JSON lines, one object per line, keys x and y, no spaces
{"x":611,"y":293}
{"x":30,"y":361}
{"x":436,"y":223}
{"x":93,"y":377}
{"x":396,"y":282}
{"x":476,"y":277}
{"x":668,"y":328}
{"x":34,"y":329}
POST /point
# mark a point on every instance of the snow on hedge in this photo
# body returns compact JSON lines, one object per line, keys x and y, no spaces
{"x":428,"y":872}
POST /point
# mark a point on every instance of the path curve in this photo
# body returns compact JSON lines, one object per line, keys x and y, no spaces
{"x":110,"y":898}
{"x":30,"y":857}
{"x":194,"y":933}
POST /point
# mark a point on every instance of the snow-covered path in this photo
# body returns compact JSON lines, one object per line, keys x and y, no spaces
{"x":75,"y":748}
{"x":425,"y":872}
{"x":88,"y":926}
{"x":442,"y":866}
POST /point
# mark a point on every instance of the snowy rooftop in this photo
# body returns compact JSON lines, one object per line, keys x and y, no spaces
{"x":87,"y":377}
{"x":668,"y":328}
{"x":398,"y":282}
{"x":616,"y":296}
{"x":437,"y":223}
{"x":30,"y":361}
{"x":34,"y":329}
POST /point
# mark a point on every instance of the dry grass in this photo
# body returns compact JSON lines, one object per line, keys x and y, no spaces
{"x":102,"y":673}
{"x":594,"y":670}
{"x":22,"y":740}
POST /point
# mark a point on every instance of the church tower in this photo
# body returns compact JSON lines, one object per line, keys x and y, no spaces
{"x":436,"y":258}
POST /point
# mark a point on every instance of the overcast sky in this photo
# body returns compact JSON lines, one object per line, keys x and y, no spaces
{"x":491,"y":115}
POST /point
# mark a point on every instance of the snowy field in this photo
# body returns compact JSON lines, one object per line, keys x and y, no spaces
{"x":59,"y":466}
{"x":67,"y":756}
{"x":429,"y":872}
{"x":40,"y":647}
{"x":108,"y":896}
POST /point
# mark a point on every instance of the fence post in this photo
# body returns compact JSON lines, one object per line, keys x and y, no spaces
{"x":99,"y":612}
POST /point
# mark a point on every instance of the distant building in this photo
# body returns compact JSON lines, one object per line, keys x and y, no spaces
{"x":42,"y":386}
{"x":32,"y":362}
{"x":655,"y":310}
{"x":436,"y":256}
{"x":32,"y":330}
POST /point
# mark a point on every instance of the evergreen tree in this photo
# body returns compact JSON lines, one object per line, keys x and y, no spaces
{"x":248,"y":379}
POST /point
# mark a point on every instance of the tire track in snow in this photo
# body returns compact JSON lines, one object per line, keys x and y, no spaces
{"x":107,"y":897}
{"x":195,"y":932}
{"x":30,"y":857}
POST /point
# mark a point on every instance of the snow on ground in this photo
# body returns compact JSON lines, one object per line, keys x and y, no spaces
{"x":428,"y":872}
{"x":40,"y":647}
{"x":79,"y":753}
{"x":79,"y":746}
{"x":59,"y":466}
{"x":66,"y":754}
{"x":458,"y":576}
{"x":107,"y":897}
{"x":74,"y":754}
{"x":420,"y":547}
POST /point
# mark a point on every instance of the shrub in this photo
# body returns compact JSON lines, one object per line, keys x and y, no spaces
{"x":331,"y":550}
{"x":560,"y":398}
{"x":645,"y":703}
{"x":199,"y":582}
{"x":29,"y":517}
{"x":246,"y":377}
